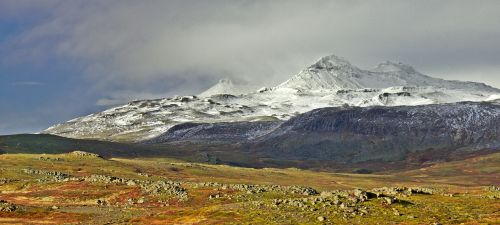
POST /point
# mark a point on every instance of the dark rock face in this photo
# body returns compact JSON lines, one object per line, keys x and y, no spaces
{"x":358,"y":134}
{"x":211,"y":133}
{"x":385,"y":133}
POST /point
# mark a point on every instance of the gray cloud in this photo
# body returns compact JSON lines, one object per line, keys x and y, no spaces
{"x":127,"y":45}
{"x":119,"y":97}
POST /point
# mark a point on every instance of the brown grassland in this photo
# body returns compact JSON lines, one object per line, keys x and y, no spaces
{"x":65,"y":189}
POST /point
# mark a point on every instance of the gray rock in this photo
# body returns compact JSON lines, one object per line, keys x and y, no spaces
{"x":83,"y":154}
{"x":101,"y":202}
{"x":396,"y":212}
{"x":389,"y":200}
{"x":493,"y":188}
{"x":7,"y":207}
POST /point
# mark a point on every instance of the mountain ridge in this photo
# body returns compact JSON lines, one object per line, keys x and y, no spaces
{"x":333,"y":72}
{"x":355,"y":134}
{"x":332,"y":81}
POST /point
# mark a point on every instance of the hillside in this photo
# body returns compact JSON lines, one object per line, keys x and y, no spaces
{"x":356,"y":134}
{"x":330,"y":82}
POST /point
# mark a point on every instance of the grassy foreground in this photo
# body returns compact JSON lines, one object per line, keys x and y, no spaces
{"x":82,"y":188}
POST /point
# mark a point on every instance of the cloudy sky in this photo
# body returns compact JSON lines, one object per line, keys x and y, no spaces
{"x":61,"y":59}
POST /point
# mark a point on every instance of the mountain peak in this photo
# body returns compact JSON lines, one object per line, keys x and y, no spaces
{"x":335,"y":73}
{"x":331,"y":62}
{"x":226,"y":86}
{"x":225,"y":81}
{"x":223,"y":86}
{"x":389,"y":66}
{"x":328,"y":73}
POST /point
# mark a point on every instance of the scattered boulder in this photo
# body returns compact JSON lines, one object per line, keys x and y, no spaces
{"x":46,"y":158}
{"x":101,"y":202}
{"x":419,"y":190}
{"x":104,"y":179}
{"x":144,"y":174}
{"x":363,"y":195}
{"x":150,"y":187}
{"x":6,"y":180}
{"x":214,"y":196}
{"x":53,"y":175}
{"x":309,"y":191}
{"x":389,"y":200}
{"x":166,"y":187}
{"x":404,"y":191}
{"x":396,"y":212}
{"x":7,"y":207}
{"x":256,"y":189}
{"x":493,"y":188}
{"x":82,"y":154}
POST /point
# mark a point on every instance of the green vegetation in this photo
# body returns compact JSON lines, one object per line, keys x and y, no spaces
{"x":77,"y":187}
{"x":51,"y":144}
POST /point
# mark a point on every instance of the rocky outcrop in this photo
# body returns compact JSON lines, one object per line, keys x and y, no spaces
{"x":82,"y":154}
{"x":7,"y":207}
{"x":256,"y":188}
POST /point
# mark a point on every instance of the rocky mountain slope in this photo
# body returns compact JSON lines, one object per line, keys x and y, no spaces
{"x":356,"y":134}
{"x":330,"y":82}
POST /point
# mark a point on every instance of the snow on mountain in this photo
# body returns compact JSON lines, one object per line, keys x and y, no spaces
{"x":330,"y":72}
{"x":493,"y":97}
{"x":226,"y":86}
{"x":333,"y":72}
{"x":330,"y":82}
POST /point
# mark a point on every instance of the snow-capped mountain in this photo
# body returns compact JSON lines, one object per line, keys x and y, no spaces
{"x":331,"y":81}
{"x":335,"y":73}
